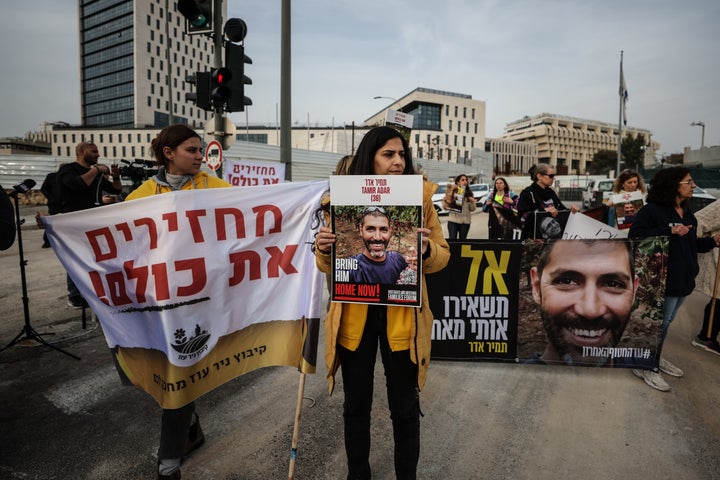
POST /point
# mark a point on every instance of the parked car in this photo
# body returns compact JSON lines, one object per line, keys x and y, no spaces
{"x":480,"y":192}
{"x":700,"y":199}
{"x":437,"y":199}
{"x":597,"y":193}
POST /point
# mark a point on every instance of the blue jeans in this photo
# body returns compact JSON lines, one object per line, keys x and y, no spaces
{"x":672,"y":305}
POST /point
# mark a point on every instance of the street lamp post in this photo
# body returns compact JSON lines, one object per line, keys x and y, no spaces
{"x":702,"y":138}
{"x":389,"y":98}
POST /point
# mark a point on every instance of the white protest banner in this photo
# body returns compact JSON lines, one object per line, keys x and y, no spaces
{"x":582,"y":226}
{"x":240,"y":173}
{"x":186,"y":284}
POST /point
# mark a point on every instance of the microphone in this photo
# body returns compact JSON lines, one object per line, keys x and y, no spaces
{"x":25,"y":186}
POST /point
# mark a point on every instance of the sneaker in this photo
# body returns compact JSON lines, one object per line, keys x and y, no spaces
{"x":711,"y":346}
{"x":77,"y":302}
{"x":654,"y":379}
{"x":173,"y":476}
{"x":670,"y":369}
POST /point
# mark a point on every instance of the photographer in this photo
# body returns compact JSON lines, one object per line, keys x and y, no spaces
{"x":81,"y":185}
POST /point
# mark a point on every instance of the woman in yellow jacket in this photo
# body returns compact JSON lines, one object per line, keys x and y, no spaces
{"x":354,"y":331}
{"x":178,"y":152}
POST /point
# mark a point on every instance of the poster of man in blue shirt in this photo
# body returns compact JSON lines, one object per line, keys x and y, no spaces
{"x":375,"y":264}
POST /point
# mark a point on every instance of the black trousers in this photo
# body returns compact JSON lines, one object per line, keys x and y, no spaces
{"x":358,"y":369}
{"x":174,"y":431}
{"x":715,"y":329}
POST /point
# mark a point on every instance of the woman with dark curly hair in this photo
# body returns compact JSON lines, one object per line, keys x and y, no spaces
{"x":667,"y":213}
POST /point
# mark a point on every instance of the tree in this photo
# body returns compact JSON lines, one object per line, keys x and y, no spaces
{"x":633,"y":151}
{"x":603,"y":161}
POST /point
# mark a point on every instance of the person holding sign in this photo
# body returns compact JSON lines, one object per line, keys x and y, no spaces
{"x":178,"y":152}
{"x":585,"y":290}
{"x":628,"y":181}
{"x":460,"y":202}
{"x":539,"y":196}
{"x":501,"y":197}
{"x":353,"y":331}
{"x":667,"y":213}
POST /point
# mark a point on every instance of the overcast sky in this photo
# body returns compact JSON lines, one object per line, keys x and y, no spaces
{"x":522,"y":57}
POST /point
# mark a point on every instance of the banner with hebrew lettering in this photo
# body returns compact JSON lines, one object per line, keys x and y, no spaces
{"x":243,"y":173}
{"x":196,"y":287}
{"x":585,"y":302}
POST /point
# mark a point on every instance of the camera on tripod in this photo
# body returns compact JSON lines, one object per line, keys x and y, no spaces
{"x":136,"y":171}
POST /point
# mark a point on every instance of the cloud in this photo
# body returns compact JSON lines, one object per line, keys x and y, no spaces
{"x":522,"y":57}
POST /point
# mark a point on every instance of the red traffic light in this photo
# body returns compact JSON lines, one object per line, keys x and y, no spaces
{"x":220,"y":84}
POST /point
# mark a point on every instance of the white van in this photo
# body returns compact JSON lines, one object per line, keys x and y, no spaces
{"x":597,"y":193}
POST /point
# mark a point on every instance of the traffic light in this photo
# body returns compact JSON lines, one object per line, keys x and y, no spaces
{"x":220,"y":87}
{"x":201,"y":93}
{"x":198,"y":15}
{"x":235,"y":60}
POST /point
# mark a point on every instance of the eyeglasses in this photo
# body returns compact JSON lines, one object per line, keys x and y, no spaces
{"x":689,"y":182}
{"x":551,"y":175}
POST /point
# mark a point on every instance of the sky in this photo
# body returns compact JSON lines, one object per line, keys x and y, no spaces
{"x":522,"y":57}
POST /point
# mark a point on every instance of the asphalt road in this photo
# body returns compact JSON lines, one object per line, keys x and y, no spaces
{"x":67,"y":419}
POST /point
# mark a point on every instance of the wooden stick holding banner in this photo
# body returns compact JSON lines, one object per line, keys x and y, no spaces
{"x":713,"y":299}
{"x":296,"y":428}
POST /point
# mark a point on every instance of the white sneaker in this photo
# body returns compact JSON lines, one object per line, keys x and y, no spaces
{"x":653,"y":379}
{"x":670,"y":369}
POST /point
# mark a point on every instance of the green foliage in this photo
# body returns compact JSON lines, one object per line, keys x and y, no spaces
{"x":603,"y":161}
{"x":633,"y":151}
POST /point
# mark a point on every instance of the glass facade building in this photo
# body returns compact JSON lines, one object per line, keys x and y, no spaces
{"x":134,"y":57}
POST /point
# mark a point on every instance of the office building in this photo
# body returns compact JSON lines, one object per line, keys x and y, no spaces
{"x":570,"y":143}
{"x":129,"y":49}
{"x":447,"y":126}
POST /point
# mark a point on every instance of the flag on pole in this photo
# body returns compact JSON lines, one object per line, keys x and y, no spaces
{"x":623,"y":94}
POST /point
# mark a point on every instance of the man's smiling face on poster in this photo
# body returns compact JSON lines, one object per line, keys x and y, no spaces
{"x":375,"y":231}
{"x":585,"y":291}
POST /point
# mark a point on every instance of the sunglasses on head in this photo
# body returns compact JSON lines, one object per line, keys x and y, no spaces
{"x":374,"y":209}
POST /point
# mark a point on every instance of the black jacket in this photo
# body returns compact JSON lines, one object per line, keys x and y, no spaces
{"x":75,"y":194}
{"x":654,"y":220}
{"x":7,"y":220}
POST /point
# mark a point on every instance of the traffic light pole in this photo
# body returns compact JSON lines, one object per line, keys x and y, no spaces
{"x":219,"y":132}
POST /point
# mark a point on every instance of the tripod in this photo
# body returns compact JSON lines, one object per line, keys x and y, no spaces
{"x":27,"y":332}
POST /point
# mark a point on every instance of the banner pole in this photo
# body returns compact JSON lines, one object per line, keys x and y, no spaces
{"x":712,"y":299}
{"x":296,"y":429}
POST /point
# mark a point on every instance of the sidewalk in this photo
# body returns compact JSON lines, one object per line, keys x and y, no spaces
{"x":69,"y":419}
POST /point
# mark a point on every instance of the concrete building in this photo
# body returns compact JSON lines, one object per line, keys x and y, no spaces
{"x":20,"y":146}
{"x":707,"y":157}
{"x":570,"y":143}
{"x":447,"y":126}
{"x":134,"y":58}
{"x":510,"y":157}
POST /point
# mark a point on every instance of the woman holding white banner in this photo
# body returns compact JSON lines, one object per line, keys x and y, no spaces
{"x":353,"y":331}
{"x":178,"y":152}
